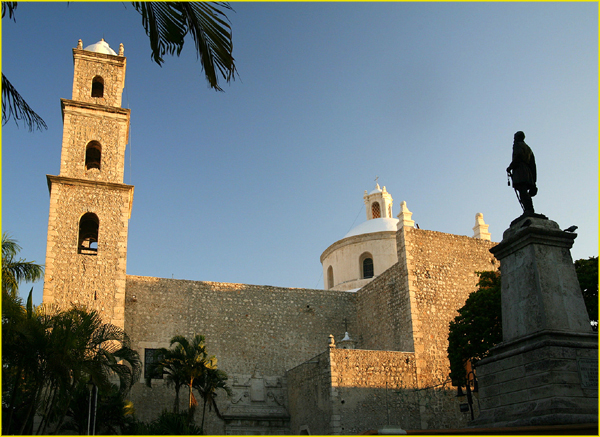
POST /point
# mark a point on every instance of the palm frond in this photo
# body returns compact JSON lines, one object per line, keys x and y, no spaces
{"x":11,"y":7}
{"x":167,"y":24}
{"x":15,"y":271}
{"x":15,"y":107}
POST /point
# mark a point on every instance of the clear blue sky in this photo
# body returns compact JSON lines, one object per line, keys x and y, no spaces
{"x":252,"y":184}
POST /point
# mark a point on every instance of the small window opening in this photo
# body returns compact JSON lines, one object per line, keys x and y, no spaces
{"x":93,"y":154}
{"x":97,"y":87}
{"x":330,"y":277}
{"x":151,"y":359}
{"x":368,"y":270}
{"x":88,"y":234}
{"x":376,"y":210}
{"x":390,"y":211}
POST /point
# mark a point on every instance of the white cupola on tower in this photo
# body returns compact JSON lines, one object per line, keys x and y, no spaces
{"x":378,"y":203}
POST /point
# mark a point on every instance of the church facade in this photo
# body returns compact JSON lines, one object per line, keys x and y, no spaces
{"x":366,"y":351}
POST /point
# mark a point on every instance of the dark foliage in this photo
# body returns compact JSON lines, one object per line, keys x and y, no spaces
{"x":168,"y":23}
{"x":477,"y":328}
{"x":587,"y":273}
{"x":166,"y":424}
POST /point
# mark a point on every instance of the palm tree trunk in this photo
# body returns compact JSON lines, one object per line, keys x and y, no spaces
{"x":203,"y":413}
{"x":52,"y":393}
{"x":219,"y":415}
{"x":176,"y":405}
{"x":65,"y":410}
{"x":28,"y":422}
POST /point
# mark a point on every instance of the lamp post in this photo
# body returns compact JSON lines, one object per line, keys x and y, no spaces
{"x":469,"y":391}
{"x":92,"y":387}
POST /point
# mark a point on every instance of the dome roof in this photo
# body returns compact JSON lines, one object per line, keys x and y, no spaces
{"x":101,"y":47}
{"x":374,"y":225}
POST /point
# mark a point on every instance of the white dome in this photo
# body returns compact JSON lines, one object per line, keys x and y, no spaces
{"x":101,"y":47}
{"x":374,"y":225}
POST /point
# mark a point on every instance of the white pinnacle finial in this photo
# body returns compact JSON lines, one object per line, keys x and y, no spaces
{"x":481,"y":229}
{"x":121,"y":49}
{"x":80,"y":44}
{"x":405,"y":216}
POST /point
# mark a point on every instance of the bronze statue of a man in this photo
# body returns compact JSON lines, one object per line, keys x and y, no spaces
{"x":523,"y":173}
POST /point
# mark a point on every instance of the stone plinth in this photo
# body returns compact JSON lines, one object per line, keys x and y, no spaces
{"x":545,"y":371}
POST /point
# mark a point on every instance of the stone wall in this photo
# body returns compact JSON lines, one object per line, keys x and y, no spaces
{"x":372,"y":389}
{"x":310,"y":396}
{"x":441,"y":272}
{"x":349,"y":391}
{"x":384,"y":313}
{"x":248,"y":327}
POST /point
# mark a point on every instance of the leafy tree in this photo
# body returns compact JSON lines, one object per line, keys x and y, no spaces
{"x":587,"y":273}
{"x":477,"y":328}
{"x":166,"y":24}
{"x":16,"y":270}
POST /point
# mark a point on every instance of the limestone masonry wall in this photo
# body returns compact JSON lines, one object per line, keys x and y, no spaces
{"x":247,"y":327}
{"x":276,"y":328}
{"x":383,"y":313}
{"x":441,"y":272}
{"x":310,"y":396}
{"x":359,"y":390}
{"x":372,"y":388}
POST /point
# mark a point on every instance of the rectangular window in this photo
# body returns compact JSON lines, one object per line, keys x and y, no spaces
{"x":150,"y":359}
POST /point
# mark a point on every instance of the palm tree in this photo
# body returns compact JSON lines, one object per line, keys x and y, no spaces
{"x":192,"y":359}
{"x":208,"y":384}
{"x":47,"y":355}
{"x":82,"y":348}
{"x":166,"y":24}
{"x":167,"y":367}
{"x":185,"y":363}
{"x":23,"y":336}
{"x":16,"y":270}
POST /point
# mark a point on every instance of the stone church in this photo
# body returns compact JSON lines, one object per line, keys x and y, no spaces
{"x":368,"y":350}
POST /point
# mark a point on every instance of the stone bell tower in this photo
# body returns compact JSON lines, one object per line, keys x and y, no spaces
{"x":90,"y":206}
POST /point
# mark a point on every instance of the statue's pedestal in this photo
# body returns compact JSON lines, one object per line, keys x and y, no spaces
{"x":545,"y":372}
